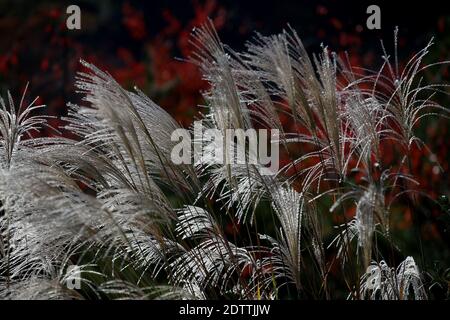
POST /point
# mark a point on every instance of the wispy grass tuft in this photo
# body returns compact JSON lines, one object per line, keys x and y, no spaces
{"x":137,"y":226}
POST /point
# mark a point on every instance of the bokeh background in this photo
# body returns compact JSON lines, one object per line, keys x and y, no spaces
{"x":143,"y":43}
{"x":137,"y":41}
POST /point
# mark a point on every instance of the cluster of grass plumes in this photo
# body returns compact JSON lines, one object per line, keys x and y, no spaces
{"x":112,"y":202}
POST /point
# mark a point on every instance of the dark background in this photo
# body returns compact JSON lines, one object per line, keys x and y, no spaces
{"x":136,"y":41}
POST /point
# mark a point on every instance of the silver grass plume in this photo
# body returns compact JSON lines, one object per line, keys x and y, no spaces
{"x":381,"y":282}
{"x":100,"y":201}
